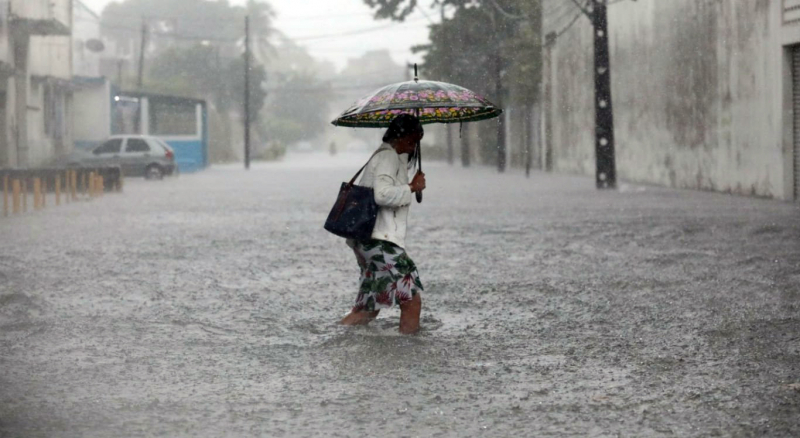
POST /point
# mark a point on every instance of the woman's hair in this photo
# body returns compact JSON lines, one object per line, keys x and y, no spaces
{"x":401,"y":126}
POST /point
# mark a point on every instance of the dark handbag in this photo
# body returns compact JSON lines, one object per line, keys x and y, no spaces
{"x":355,"y":211}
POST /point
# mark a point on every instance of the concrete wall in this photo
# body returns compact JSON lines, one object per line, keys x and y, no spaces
{"x":51,"y":56}
{"x":86,"y":27}
{"x":698,"y":90}
{"x":45,"y":146}
{"x":43,"y":10}
{"x":6,"y":57}
{"x":92,"y":114}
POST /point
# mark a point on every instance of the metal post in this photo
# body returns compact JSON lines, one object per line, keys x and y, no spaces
{"x":5,"y":195}
{"x":465,"y":146}
{"x":501,"y":125}
{"x":527,"y":138}
{"x":247,"y":92}
{"x":140,"y":77}
{"x":450,"y":152}
{"x":546,"y":154}
{"x":606,"y":176}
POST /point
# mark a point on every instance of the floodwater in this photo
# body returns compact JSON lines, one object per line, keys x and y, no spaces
{"x":205,"y":305}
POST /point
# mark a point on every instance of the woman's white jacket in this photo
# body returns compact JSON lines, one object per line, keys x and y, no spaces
{"x":387,"y":174}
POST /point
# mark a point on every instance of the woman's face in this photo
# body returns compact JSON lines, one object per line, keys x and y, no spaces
{"x":407,"y":144}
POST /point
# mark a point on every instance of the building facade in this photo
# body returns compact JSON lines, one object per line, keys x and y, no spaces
{"x":706,"y":95}
{"x":35,"y":73}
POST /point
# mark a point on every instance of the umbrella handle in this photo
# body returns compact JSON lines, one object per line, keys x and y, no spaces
{"x":419,"y":162}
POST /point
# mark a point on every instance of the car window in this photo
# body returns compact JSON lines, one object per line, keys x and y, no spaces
{"x":109,"y":147}
{"x":137,"y":145}
{"x":163,"y":144}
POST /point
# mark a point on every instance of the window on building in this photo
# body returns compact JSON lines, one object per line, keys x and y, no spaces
{"x":173,"y":118}
{"x":109,"y":147}
{"x":137,"y":145}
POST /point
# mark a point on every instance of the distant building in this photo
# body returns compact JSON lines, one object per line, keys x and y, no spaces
{"x":706,"y":94}
{"x":92,"y":91}
{"x":35,"y":73}
{"x":87,"y":44}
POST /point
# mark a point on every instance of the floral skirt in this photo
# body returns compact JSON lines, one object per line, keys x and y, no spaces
{"x":388,"y":275}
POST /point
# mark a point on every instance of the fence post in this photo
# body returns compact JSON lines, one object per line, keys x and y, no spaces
{"x":15,"y":195}
{"x":24,"y":194}
{"x":58,"y":189}
{"x":5,"y":195}
{"x":37,"y":195}
{"x":43,"y":192}
{"x":73,"y":181}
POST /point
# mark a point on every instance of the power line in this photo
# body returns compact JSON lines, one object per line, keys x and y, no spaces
{"x":350,"y":33}
{"x":565,"y":20}
{"x":584,"y":10}
{"x":568,"y":26}
{"x":237,"y":39}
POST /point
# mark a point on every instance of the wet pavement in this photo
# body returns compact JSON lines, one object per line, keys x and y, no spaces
{"x":205,"y":305}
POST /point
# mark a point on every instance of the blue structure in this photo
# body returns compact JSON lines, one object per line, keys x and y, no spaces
{"x":180,"y":121}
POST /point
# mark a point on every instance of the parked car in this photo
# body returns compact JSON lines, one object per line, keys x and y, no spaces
{"x":138,"y":155}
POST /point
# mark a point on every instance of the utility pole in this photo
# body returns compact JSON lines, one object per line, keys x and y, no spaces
{"x":606,"y":171}
{"x":501,"y":125}
{"x":448,"y":127}
{"x":141,"y":54}
{"x":119,"y":73}
{"x":497,"y":61}
{"x":247,"y":92}
{"x":606,"y":176}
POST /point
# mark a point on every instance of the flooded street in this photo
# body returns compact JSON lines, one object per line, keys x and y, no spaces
{"x":205,"y":305}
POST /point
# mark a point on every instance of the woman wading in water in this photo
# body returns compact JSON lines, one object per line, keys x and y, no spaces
{"x":388,"y":275}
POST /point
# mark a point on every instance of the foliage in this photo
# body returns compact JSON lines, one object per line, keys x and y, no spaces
{"x":460,"y":51}
{"x":490,"y":46}
{"x":173,"y":22}
{"x":176,"y":70}
{"x":195,"y":49}
{"x":298,"y":107}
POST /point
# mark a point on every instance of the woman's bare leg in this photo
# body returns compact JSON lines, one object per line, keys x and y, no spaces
{"x":409,"y":315}
{"x":359,"y":317}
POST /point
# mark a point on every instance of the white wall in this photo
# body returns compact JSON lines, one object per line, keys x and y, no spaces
{"x":40,"y":148}
{"x":51,"y":56}
{"x":92,"y":113}
{"x":58,"y":10}
{"x":697,"y":94}
{"x":5,"y":47}
{"x":86,"y":26}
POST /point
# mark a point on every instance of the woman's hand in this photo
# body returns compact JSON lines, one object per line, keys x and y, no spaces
{"x":418,"y":182}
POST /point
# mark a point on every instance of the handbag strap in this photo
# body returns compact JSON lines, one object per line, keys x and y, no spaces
{"x":352,"y":181}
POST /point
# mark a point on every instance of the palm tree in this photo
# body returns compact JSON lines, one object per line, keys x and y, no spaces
{"x":261,"y":30}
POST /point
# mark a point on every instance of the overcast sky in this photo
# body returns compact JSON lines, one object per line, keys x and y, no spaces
{"x":319,"y":25}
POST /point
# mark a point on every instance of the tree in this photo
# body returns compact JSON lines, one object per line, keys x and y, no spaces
{"x":189,"y":19}
{"x":504,"y":67}
{"x":195,"y":48}
{"x":298,"y":107}
{"x":197,"y":71}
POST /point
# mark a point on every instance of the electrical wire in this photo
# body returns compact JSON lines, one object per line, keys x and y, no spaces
{"x":569,"y":15}
{"x":179,"y":36}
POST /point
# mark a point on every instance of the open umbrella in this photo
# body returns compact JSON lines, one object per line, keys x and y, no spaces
{"x":430,"y":101}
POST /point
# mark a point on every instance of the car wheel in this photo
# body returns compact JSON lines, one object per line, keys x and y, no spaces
{"x":154,"y":171}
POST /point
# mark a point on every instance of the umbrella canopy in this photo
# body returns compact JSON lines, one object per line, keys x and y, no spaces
{"x":430,"y":101}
